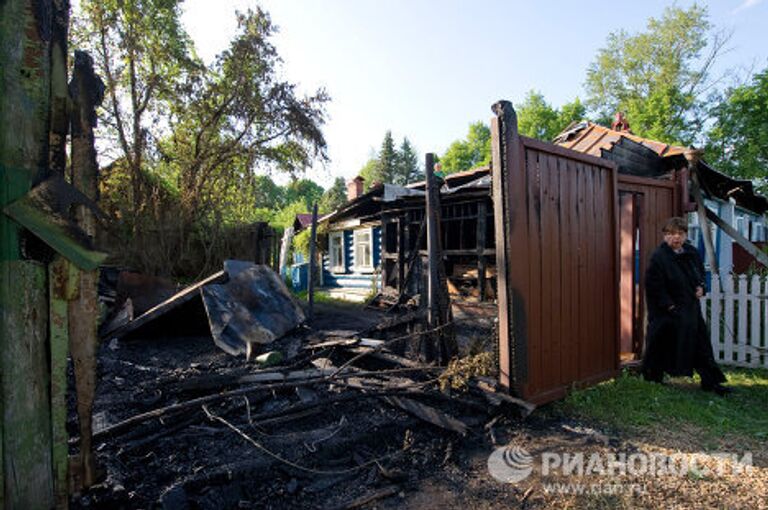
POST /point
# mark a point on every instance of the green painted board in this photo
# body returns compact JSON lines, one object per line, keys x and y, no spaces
{"x":25,"y":385}
{"x":60,"y":280}
{"x":55,"y":232}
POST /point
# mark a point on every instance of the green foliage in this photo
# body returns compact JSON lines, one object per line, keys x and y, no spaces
{"x":385,"y":166}
{"x":303,"y":190}
{"x":301,"y":242}
{"x":657,"y":77}
{"x":738,"y":142}
{"x":369,"y":173}
{"x":334,"y":197}
{"x":408,"y":169}
{"x":392,"y":165}
{"x":536,"y":118}
{"x":192,"y":141}
{"x":472,"y":152}
{"x":285,"y":216}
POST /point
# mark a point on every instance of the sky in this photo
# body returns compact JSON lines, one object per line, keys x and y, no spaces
{"x":426,"y":69}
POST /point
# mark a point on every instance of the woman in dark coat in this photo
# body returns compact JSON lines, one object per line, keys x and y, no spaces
{"x":676,"y":340}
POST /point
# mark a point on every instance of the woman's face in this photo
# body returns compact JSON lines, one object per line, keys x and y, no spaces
{"x":675,"y":239}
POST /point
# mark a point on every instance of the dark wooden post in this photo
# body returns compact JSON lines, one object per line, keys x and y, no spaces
{"x":402,"y":246}
{"x":693,"y":156}
{"x":438,"y":305}
{"x":312,"y":255}
{"x":507,"y":158}
{"x":481,"y":229}
{"x":25,"y":421}
{"x":433,"y":246}
{"x":86,"y":91}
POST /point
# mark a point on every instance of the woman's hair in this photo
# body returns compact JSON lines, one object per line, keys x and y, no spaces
{"x":675,"y":224}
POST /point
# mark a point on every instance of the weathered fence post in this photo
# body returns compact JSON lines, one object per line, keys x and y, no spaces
{"x":87,"y":91}
{"x":505,"y":152}
{"x":438,"y":303}
{"x":311,"y":268}
{"x":25,"y":421}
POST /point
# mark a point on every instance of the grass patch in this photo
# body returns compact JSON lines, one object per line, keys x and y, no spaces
{"x":322,"y":296}
{"x":631,"y":404}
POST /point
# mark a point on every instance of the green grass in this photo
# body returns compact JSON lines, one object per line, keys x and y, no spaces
{"x":323,"y":297}
{"x":631,"y":404}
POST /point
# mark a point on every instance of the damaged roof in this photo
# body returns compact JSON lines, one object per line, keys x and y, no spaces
{"x":590,"y":138}
{"x":636,"y":155}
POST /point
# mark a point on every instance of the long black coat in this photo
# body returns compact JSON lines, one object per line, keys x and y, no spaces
{"x":677,"y":340}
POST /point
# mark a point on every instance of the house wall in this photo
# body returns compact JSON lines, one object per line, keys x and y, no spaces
{"x":352,"y":277}
{"x":750,"y":225}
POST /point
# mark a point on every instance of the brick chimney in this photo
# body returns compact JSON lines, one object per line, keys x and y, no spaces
{"x":355,"y":188}
{"x":620,"y":123}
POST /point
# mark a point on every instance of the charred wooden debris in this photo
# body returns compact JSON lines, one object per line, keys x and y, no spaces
{"x":344,"y":415}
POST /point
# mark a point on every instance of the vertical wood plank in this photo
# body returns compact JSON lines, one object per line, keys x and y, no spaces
{"x":753,"y":340}
{"x":763,"y":342}
{"x":61,"y":275}
{"x":547,"y":269}
{"x":741,"y":339}
{"x":565,"y":275}
{"x":715,"y":328}
{"x":728,"y":316}
{"x":480,"y":231}
{"x":533,"y":175}
{"x":25,"y":388}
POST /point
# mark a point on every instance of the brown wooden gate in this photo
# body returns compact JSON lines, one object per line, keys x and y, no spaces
{"x":557,"y":261}
{"x":644,"y":206}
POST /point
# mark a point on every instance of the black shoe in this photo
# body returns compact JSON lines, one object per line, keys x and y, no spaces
{"x":718,"y":389}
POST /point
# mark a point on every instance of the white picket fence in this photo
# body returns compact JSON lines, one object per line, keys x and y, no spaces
{"x":736,"y":310}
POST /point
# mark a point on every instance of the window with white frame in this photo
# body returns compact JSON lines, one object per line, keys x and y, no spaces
{"x":363,"y":250}
{"x":336,"y":252}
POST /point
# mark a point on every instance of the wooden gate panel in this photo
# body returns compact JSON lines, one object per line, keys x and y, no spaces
{"x":655,"y":201}
{"x":556,"y":224}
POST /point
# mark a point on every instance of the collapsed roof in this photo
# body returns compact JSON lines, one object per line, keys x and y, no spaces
{"x":644,"y":157}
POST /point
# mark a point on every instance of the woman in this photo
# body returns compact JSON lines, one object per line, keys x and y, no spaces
{"x":676,"y":341}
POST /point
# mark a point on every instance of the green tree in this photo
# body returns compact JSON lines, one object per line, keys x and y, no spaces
{"x":305,"y":191}
{"x":536,"y":117}
{"x":574,"y":111}
{"x":658,"y":77}
{"x":265,"y":193}
{"x":334,"y":197}
{"x":369,"y":173}
{"x":387,"y":160}
{"x":407,"y":169}
{"x":239,"y":117}
{"x":144,"y":55}
{"x":738,"y":141}
{"x":472,"y":152}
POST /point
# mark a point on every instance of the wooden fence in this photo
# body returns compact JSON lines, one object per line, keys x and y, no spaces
{"x":556,"y":228}
{"x":736,"y":310}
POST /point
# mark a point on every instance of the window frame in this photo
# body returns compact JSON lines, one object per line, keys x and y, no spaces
{"x":355,"y":241}
{"x":336,"y":266}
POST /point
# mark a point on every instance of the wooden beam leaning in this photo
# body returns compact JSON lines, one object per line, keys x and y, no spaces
{"x":693,"y":156}
{"x":745,"y":243}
